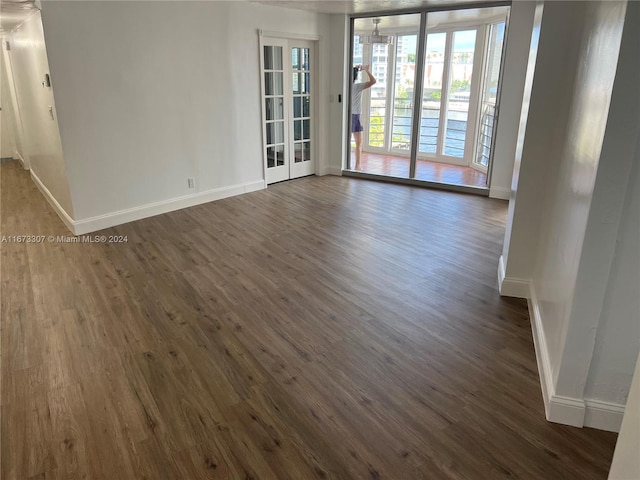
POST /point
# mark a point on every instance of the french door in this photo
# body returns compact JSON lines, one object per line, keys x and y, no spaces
{"x":288,"y":91}
{"x":489,"y":97}
{"x":450,"y":94}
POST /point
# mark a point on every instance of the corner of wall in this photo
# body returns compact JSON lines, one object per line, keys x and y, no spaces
{"x":331,"y":170}
{"x":575,"y":412}
{"x":62,"y":213}
{"x":500,"y":193}
{"x":509,"y":286}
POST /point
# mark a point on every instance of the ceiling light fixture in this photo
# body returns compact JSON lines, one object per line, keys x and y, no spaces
{"x":375,"y":37}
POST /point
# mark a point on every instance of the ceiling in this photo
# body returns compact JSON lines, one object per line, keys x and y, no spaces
{"x":14,"y":12}
{"x":361,"y":6}
{"x":467,"y":16}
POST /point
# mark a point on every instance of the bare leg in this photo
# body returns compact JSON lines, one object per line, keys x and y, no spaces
{"x":357,"y":136}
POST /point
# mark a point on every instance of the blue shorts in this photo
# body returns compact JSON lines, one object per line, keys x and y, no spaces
{"x":356,"y":125}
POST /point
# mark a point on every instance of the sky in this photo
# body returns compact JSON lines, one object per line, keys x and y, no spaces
{"x":464,"y":40}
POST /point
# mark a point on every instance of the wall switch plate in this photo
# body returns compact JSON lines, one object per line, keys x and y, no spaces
{"x":191,"y":182}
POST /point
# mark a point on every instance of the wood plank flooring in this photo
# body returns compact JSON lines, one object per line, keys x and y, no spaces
{"x":326,"y":328}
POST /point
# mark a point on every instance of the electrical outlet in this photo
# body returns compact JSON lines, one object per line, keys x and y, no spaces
{"x":191,"y":182}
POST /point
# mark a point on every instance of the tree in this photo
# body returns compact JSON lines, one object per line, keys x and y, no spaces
{"x":460,"y":86}
{"x":376,"y":131}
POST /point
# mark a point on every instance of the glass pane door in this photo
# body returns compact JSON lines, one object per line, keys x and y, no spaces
{"x":302,"y":109}
{"x":426,"y":127}
{"x":288,"y":108}
{"x":432,"y":93}
{"x":489,"y":97}
{"x":405,"y":70}
{"x":274,"y":112}
{"x":459,"y":94}
{"x":378,"y":97}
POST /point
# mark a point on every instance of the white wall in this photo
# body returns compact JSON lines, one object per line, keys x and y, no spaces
{"x":608,"y":281}
{"x":516,"y":57}
{"x":626,"y":461}
{"x":518,"y":286}
{"x":568,"y":217}
{"x":41,"y":138}
{"x":339,"y":41}
{"x":152,"y":93}
{"x":571,"y":177}
{"x":542,"y":130}
{"x":8,"y":146}
{"x":618,"y":337}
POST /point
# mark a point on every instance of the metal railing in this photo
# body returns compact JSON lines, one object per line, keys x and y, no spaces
{"x":429,"y":127}
{"x":485,"y":134}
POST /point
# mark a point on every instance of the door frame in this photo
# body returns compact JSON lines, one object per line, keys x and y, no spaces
{"x":264,"y":37}
{"x":23,"y":156}
{"x":424,"y":11}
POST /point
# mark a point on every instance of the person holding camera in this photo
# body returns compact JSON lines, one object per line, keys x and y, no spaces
{"x":356,"y":108}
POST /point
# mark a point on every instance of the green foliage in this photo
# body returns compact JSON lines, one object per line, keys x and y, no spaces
{"x":435,"y":95}
{"x":460,"y":86}
{"x":376,"y":131}
{"x":411,"y":58}
{"x":376,"y":134}
{"x":463,"y":57}
{"x":402,"y":92}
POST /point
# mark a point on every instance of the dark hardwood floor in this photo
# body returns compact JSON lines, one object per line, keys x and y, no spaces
{"x":324,"y":328}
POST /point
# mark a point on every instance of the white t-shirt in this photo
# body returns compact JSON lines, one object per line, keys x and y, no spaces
{"x":356,"y":98}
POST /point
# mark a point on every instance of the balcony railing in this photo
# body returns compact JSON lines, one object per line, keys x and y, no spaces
{"x":487,"y":120}
{"x":429,"y":125}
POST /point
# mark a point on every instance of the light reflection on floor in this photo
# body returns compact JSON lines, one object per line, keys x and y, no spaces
{"x":379,"y":164}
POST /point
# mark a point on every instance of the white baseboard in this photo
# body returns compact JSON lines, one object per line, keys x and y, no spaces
{"x":22,"y":161}
{"x":576,"y":412}
{"x":88,"y":225}
{"x":501,"y":193}
{"x":101,"y":222}
{"x":603,"y":415}
{"x":64,"y":216}
{"x":511,"y":287}
{"x":542,"y":352}
{"x":565,"y":410}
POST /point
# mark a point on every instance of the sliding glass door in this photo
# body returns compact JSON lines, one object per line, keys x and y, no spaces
{"x":378,"y":96}
{"x":388,"y":104}
{"x":451,"y":111}
{"x":435,"y":72}
{"x":403,"y":86}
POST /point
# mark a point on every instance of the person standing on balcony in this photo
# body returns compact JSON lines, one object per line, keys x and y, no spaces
{"x":356,"y":108}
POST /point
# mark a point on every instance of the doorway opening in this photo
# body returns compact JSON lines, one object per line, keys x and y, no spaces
{"x":432,"y":112}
